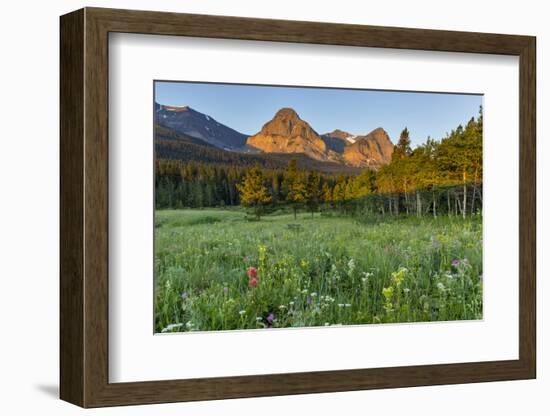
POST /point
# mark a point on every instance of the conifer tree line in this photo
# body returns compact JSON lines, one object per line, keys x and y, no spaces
{"x":436,"y":178}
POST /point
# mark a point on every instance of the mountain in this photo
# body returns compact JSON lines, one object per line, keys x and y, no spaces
{"x":170,"y":145}
{"x":189,"y":122}
{"x":373,"y":150}
{"x":337,"y":140}
{"x":180,"y":131}
{"x":288,"y":133}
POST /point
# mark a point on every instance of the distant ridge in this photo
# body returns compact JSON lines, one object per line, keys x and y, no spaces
{"x":187,"y":121}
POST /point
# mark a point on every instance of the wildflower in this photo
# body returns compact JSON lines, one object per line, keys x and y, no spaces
{"x":270,"y":318}
{"x":388,"y":292}
{"x":281,"y":307}
{"x":258,"y":318}
{"x":398,"y":276}
{"x":304,"y":292}
{"x":455,"y":263}
{"x":406,"y":290}
{"x":351,"y":265}
{"x":348,"y":305}
{"x":291,"y":303}
{"x":340,"y":305}
{"x":226,"y":289}
{"x":313,"y":294}
{"x":252,"y":272}
{"x":253,"y":282}
{"x":171,"y":327}
{"x":189,"y":324}
{"x":184,"y":296}
{"x":242,"y":312}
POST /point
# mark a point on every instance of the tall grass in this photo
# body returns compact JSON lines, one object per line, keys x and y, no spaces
{"x":323,"y":271}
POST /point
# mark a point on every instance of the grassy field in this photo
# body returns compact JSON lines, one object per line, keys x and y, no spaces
{"x":323,"y":271}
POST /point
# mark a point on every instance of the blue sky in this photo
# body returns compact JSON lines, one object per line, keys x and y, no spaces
{"x":246,"y":108}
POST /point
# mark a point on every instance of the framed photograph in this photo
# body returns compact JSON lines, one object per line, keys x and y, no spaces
{"x":255,"y":207}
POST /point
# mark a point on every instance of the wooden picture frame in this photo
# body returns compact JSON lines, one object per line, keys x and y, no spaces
{"x":84,"y":207}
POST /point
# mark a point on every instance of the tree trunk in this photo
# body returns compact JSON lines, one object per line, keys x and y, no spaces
{"x":448,"y":203}
{"x":434,"y":208}
{"x":474,"y":193}
{"x":464,"y":204}
{"x":396,"y":204}
{"x":418,"y":205}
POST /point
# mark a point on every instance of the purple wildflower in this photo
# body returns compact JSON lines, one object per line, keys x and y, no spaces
{"x":270,"y":318}
{"x":455,"y":263}
{"x":226,"y":289}
{"x":184,"y":295}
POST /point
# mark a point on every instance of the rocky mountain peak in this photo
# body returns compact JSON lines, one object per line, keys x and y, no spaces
{"x":373,"y":150}
{"x":286,"y":132}
{"x":339,"y":134}
{"x":287,"y":113}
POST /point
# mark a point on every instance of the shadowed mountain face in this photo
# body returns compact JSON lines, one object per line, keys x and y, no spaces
{"x":186,"y":121}
{"x":373,"y":150}
{"x":337,"y":140}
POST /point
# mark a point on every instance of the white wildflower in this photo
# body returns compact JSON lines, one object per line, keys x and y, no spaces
{"x":171,"y":327}
{"x":242,"y":312}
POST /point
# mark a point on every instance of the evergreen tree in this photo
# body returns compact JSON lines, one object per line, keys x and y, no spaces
{"x":313,"y":191}
{"x":403,"y":147}
{"x":294,"y":186}
{"x":253,"y":192}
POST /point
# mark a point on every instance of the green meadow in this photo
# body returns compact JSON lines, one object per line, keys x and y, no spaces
{"x":220,"y":269}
